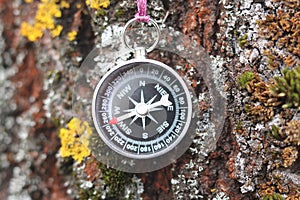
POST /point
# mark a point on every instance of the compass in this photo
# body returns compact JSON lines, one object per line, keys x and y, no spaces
{"x":143,"y":111}
{"x":142,"y":108}
{"x":144,"y":114}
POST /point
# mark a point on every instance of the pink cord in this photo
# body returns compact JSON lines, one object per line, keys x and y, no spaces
{"x":142,"y":16}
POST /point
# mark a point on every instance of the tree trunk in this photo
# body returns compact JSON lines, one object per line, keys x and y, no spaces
{"x":42,"y":45}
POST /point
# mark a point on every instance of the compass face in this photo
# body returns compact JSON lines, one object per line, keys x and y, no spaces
{"x":142,"y":109}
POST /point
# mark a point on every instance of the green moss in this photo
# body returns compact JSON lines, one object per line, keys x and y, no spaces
{"x":274,"y":196}
{"x":242,"y":41}
{"x":276,"y":133}
{"x":101,"y":12}
{"x":54,"y":76}
{"x":120,"y":13}
{"x":90,"y":193}
{"x":116,"y":181}
{"x":287,"y":88}
{"x":245,"y":78}
{"x":56,"y":121}
{"x":57,"y":77}
{"x":239,"y":125}
{"x":114,"y":185}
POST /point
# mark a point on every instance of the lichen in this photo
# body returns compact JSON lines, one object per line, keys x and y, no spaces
{"x":289,"y":138}
{"x":97,"y":4}
{"x":47,"y":12}
{"x":282,"y":90}
{"x":94,"y":180}
{"x":56,"y":31}
{"x":274,"y":188}
{"x":259,"y":113}
{"x":281,"y":29}
{"x":289,"y":156}
{"x":292,"y":132}
{"x":75,"y":140}
{"x":260,"y":91}
{"x":250,"y":151}
{"x":294,"y":197}
{"x":72,"y":35}
{"x":32,"y":33}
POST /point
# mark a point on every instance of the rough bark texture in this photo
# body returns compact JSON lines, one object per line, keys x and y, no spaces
{"x":249,"y":42}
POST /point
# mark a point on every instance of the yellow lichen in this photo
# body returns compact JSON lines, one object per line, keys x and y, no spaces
{"x":75,"y":140}
{"x":56,"y":31}
{"x":97,"y":4}
{"x":28,"y":1}
{"x":47,"y":12}
{"x":64,"y":4}
{"x":72,"y":35}
{"x":31,"y":32}
{"x":78,"y":5}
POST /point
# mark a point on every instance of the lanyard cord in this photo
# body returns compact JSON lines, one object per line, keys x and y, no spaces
{"x":141,"y":15}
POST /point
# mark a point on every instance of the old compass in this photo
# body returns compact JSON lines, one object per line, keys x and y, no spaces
{"x":143,"y":110}
{"x":144,"y":114}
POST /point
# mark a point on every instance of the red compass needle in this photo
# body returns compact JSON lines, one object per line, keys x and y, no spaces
{"x":113,"y":121}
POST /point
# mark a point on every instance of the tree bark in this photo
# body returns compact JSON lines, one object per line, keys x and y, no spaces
{"x":257,"y":153}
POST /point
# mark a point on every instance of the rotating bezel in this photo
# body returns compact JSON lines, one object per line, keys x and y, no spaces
{"x":180,"y":137}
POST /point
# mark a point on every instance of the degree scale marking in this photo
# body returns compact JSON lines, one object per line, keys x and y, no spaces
{"x":159,"y":144}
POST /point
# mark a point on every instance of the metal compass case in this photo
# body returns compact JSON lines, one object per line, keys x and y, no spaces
{"x":144,"y":113}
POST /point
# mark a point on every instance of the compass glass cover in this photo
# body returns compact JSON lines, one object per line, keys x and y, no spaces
{"x":142,"y":109}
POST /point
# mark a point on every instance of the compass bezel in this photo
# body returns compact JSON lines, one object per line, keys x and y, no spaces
{"x":183,"y":133}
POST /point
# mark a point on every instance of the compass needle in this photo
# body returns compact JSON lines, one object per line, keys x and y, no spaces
{"x":116,"y":120}
{"x":129,"y":110}
{"x":165,"y":100}
{"x":162,"y":102}
{"x":156,"y":109}
{"x":113,"y":121}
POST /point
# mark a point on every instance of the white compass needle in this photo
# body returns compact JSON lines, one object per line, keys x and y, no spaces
{"x":142,"y":109}
{"x":162,"y":102}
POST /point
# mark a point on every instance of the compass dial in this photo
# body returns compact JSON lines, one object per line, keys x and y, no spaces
{"x":142,"y":109}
